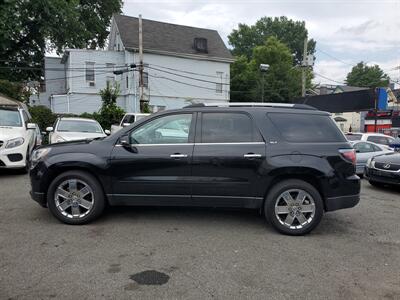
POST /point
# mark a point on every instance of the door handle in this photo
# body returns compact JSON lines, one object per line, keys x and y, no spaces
{"x":178,"y":155}
{"x":252,"y":155}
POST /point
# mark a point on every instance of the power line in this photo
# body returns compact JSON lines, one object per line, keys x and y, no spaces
{"x":187,"y":72}
{"x":322,"y":76}
{"x":188,"y":77}
{"x":334,"y":57}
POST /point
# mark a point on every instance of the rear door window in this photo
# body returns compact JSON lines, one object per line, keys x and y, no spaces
{"x":364,"y":147}
{"x":227,"y":128}
{"x":379,"y":140}
{"x":306,"y":128}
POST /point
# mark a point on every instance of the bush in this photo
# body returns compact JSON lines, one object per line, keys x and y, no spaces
{"x":109,"y":115}
{"x":42,"y":116}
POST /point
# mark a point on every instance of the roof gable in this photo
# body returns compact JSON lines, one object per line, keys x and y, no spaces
{"x":169,"y":38}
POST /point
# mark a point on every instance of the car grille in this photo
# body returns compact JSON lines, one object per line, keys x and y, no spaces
{"x":387,"y":166}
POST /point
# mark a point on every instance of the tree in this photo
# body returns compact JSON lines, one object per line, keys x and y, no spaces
{"x":292,"y":33}
{"x":109,"y":112}
{"x":367,"y":76}
{"x":281,"y":83}
{"x":31,"y":28}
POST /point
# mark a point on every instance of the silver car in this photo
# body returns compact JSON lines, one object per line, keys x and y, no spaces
{"x":366,"y":150}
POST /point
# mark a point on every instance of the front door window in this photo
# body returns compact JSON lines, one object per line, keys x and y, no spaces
{"x":172,"y":129}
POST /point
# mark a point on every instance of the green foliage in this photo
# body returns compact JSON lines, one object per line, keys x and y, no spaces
{"x":367,"y":76}
{"x":42,"y":116}
{"x":281,"y":83}
{"x":110,"y":94}
{"x":109,"y":113}
{"x":290,"y":32}
{"x":14,"y":90}
{"x":146,"y":109}
{"x":30,"y":28}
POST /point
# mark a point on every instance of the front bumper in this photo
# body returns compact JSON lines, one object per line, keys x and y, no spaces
{"x":341,"y":202}
{"x":13,"y":157}
{"x":382,"y":176}
{"x":39,"y":198}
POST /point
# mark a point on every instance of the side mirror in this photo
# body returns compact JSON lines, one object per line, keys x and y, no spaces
{"x":124,"y":141}
{"x":31,"y":126}
{"x":49,"y":129}
{"x":108,"y":132}
{"x":125,"y":124}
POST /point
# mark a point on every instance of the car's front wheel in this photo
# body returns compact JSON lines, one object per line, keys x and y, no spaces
{"x":75,"y":197}
{"x":293,"y":207}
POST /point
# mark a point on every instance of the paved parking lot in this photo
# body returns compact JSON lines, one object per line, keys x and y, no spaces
{"x":198,"y":253}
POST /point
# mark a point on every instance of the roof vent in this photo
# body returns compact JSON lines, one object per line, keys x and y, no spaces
{"x":200,"y":45}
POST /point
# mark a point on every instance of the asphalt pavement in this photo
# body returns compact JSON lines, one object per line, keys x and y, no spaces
{"x":186,"y":253}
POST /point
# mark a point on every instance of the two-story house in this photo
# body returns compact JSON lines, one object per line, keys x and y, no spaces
{"x":182,"y":65}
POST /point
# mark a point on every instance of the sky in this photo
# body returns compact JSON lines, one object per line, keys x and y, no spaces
{"x":346,"y":32}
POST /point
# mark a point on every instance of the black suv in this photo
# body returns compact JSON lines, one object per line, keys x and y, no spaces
{"x":289,"y":161}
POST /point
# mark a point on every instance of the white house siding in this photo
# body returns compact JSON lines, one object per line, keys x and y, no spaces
{"x":175,"y":81}
{"x":54,"y":81}
{"x":172,"y":86}
{"x":353,"y":120}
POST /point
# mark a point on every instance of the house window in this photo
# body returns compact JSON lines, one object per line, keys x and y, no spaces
{"x":127,"y":81}
{"x":90,"y":72}
{"x":145,"y":79}
{"x":218,"y":85}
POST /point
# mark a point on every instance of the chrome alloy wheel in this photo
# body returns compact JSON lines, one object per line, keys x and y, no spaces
{"x":74,"y":198}
{"x":295,"y":208}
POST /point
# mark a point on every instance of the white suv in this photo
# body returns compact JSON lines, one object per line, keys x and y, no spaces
{"x":17,"y":134}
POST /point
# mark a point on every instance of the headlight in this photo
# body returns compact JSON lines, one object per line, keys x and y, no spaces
{"x":15,"y":143}
{"x":37,"y":155}
{"x":371,"y":163}
{"x":59,"y":139}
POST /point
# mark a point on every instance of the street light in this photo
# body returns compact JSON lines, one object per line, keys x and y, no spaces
{"x":263,"y":69}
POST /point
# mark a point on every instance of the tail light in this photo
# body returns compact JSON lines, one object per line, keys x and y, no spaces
{"x":349,"y":155}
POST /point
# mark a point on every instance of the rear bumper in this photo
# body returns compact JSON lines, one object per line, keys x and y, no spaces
{"x":335,"y":203}
{"x":39,"y":198}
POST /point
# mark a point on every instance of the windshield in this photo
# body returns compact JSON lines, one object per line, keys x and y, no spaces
{"x":353,"y":137}
{"x":10,"y":117}
{"x":79,"y":126}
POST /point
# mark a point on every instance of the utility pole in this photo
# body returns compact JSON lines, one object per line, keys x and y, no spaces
{"x":304,"y":66}
{"x":141,"y":83}
{"x":263,"y":69}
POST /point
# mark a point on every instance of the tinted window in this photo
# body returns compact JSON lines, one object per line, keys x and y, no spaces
{"x":364,"y":147}
{"x":306,"y":128}
{"x":379,"y":140}
{"x":173,"y":129}
{"x":353,"y":137}
{"x":226,"y":128}
{"x":79,"y":126}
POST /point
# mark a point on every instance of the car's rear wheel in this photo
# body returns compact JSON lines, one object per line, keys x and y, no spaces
{"x":75,"y":197}
{"x":293,"y":207}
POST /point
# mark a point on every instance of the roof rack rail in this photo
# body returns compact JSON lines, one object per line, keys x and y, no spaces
{"x":252,"y":104}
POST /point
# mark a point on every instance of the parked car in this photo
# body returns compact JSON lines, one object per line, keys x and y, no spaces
{"x":17,"y":135}
{"x":289,"y":161}
{"x":39,"y":136}
{"x":377,"y":138}
{"x":364,"y":151}
{"x":383,"y":170}
{"x":127,"y":120}
{"x":73,"y":129}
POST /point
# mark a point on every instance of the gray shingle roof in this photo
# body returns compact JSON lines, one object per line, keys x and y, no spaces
{"x":159,"y":36}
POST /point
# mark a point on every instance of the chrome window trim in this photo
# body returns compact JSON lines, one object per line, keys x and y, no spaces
{"x":197,"y":144}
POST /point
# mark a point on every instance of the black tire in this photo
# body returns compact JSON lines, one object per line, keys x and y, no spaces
{"x":98,"y":197}
{"x":376,"y":184}
{"x":274,"y":196}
